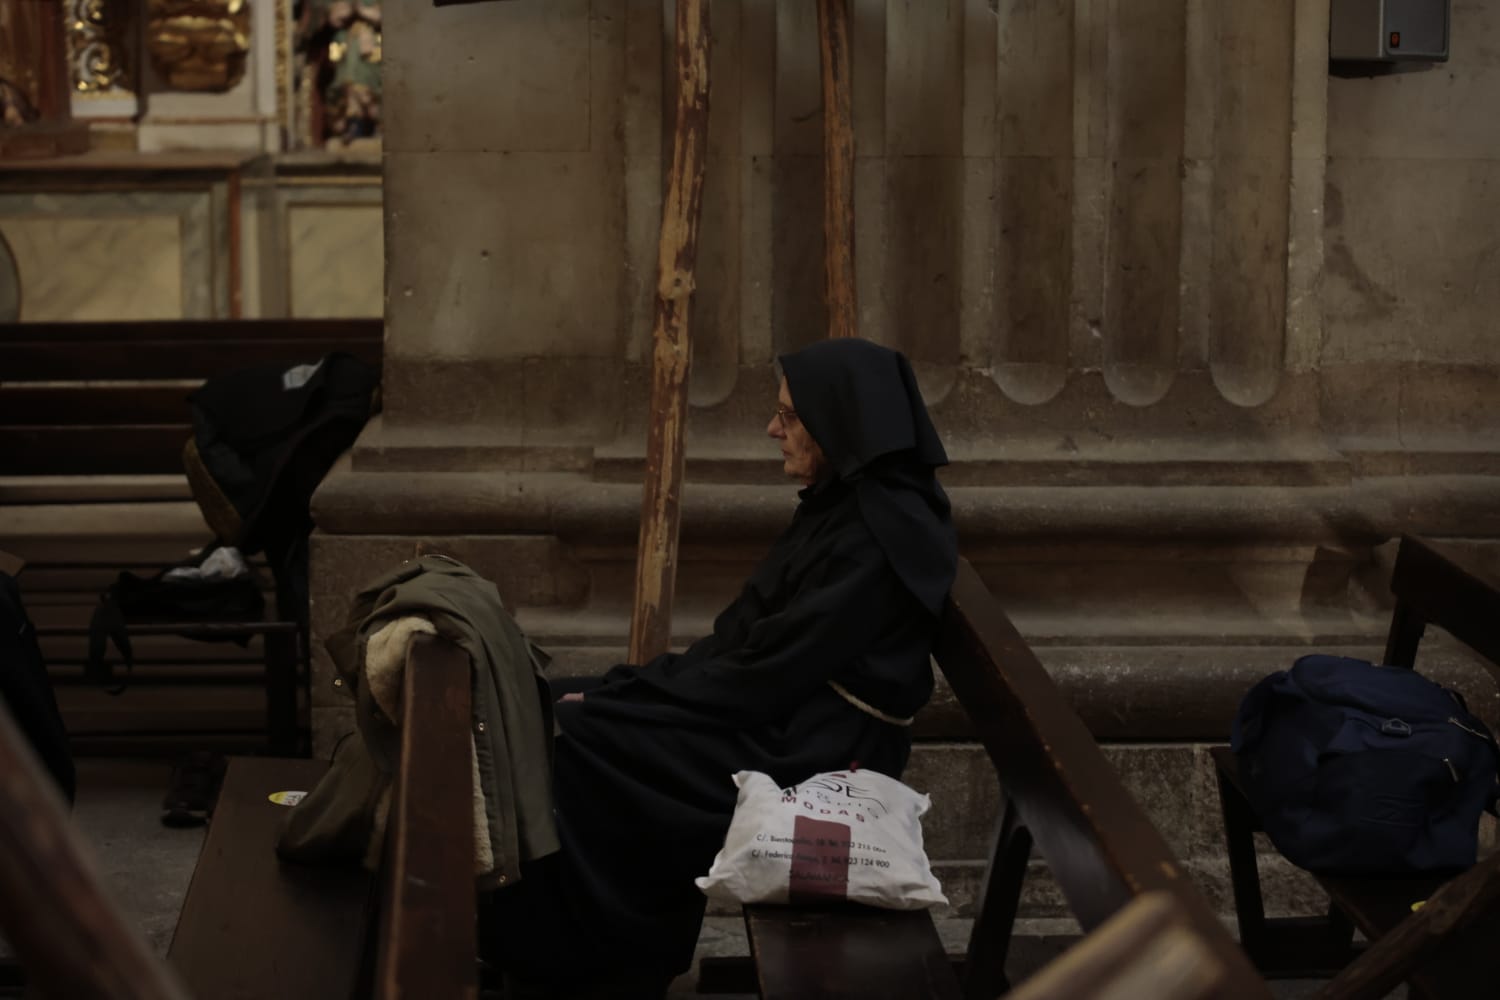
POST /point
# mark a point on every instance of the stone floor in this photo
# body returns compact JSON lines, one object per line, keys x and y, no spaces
{"x":147,"y":868}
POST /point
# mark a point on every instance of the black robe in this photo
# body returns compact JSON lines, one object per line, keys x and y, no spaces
{"x":643,"y":765}
{"x":849,"y":593}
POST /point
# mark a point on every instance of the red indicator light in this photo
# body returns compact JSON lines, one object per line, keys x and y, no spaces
{"x":1395,"y":39}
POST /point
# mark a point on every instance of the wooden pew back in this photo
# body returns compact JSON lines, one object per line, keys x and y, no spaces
{"x":427,"y":940}
{"x":111,"y":398}
{"x":1439,"y":585}
{"x":1059,"y":792}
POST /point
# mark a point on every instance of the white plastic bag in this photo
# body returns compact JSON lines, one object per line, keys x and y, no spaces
{"x":853,"y":835}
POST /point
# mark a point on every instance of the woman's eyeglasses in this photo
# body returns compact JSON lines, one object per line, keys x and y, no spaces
{"x":787,"y":416}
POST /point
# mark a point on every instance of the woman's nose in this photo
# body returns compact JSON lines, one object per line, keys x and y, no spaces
{"x":774,"y":428}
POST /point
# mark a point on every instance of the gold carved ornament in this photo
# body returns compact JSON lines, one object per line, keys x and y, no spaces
{"x":99,"y":46}
{"x":198,"y":45}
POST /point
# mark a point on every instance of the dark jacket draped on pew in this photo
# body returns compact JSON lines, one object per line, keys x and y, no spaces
{"x":817,"y":665}
{"x":343,"y":818}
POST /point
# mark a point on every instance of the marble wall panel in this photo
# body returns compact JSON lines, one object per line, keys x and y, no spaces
{"x":201,"y":235}
{"x":98,"y":268}
{"x":10,"y":283}
{"x":336,"y":267}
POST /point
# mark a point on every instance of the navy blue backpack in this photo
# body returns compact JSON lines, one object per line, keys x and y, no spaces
{"x":1356,"y":768}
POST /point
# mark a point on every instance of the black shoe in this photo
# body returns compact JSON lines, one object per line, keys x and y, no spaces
{"x":194,"y":790}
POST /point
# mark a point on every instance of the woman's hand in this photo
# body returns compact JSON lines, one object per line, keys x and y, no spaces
{"x":572,"y":696}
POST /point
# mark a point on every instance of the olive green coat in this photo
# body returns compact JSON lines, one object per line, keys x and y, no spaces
{"x":343,"y":818}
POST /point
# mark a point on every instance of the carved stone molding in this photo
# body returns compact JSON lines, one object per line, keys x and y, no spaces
{"x":198,"y":45}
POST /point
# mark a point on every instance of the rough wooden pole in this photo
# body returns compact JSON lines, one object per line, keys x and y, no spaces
{"x":838,"y":167}
{"x":671,"y":347}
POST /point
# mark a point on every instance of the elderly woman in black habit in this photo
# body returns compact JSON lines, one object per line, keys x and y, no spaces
{"x":818,"y":664}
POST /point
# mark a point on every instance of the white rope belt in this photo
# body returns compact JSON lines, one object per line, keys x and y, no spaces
{"x":866,"y":707}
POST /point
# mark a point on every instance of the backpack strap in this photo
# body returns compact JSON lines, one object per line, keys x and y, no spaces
{"x":108,"y":623}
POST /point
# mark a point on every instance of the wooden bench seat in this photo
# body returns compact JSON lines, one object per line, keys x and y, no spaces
{"x":255,"y":928}
{"x":1433,"y":584}
{"x":848,"y":951}
{"x":251,"y":926}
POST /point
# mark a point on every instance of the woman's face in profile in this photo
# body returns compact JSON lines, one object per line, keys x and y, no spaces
{"x":801,"y":458}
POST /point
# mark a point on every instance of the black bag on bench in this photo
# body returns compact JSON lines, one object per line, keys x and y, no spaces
{"x":168,"y":599}
{"x":1361,"y":769}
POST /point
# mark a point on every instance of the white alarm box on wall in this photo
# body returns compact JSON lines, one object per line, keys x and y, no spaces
{"x":1388,"y":30}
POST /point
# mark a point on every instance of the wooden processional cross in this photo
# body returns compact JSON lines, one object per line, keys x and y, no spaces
{"x":671,"y":342}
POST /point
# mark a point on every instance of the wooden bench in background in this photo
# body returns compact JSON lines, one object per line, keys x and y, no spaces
{"x":93,"y":420}
{"x":1446,"y":950}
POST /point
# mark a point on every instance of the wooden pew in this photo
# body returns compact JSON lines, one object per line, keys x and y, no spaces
{"x":1442,"y":951}
{"x":68,"y":405}
{"x":93,"y":420}
{"x":255,"y":927}
{"x":1059,"y":794}
{"x":66,"y":930}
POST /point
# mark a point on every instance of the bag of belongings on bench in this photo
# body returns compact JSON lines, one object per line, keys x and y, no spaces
{"x":215,"y":586}
{"x":263,"y":439}
{"x":1355,"y":768}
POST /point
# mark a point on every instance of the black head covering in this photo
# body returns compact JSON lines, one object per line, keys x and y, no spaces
{"x":861,"y":403}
